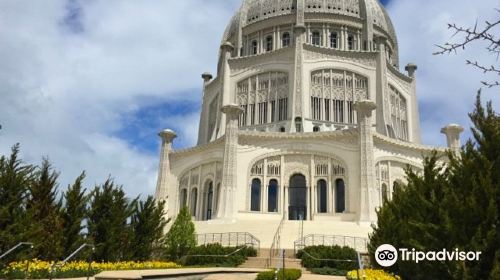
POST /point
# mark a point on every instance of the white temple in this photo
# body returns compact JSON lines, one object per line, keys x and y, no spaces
{"x":308,"y":118}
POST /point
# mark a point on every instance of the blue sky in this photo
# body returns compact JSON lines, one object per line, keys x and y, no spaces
{"x":90,"y":83}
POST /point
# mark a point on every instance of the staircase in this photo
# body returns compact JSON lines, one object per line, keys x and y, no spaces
{"x":262,"y":260}
{"x":272,"y":258}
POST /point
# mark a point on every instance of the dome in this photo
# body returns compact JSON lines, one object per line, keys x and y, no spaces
{"x":253,"y":11}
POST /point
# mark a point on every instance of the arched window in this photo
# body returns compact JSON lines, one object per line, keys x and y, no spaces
{"x":316,"y":38}
{"x":269,"y":43}
{"x":272,"y":196}
{"x":339,"y":196}
{"x":333,"y":40}
{"x":183,"y":198}
{"x":286,"y":39}
{"x":322,"y":196}
{"x":298,"y":124}
{"x":194,"y":201}
{"x":351,"y":43}
{"x":384,"y":193}
{"x":396,"y":186}
{"x":316,"y":129}
{"x":255,"y":195}
{"x":254,"y":47}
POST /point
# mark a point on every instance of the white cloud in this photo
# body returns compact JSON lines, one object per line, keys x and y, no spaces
{"x":67,"y":90}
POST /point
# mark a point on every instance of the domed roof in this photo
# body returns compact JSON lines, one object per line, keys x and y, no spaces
{"x":256,"y":10}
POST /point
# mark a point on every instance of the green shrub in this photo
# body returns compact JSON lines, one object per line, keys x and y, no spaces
{"x":217,"y":255}
{"x":180,"y":239}
{"x":290,"y":274}
{"x":329,"y":271}
{"x":317,"y":257}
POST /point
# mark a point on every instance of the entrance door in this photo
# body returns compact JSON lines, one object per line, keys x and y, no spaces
{"x":297,"y":203}
{"x":210,"y":198}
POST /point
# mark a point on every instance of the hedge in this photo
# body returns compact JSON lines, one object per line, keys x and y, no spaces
{"x":290,"y":274}
{"x":318,"y":257}
{"x":328,"y":271}
{"x":217,"y":253}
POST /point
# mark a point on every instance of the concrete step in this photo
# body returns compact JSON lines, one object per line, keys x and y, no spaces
{"x":255,"y":262}
{"x":258,"y":262}
{"x":289,"y":263}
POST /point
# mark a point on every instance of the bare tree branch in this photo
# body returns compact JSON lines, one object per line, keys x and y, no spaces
{"x":485,"y":34}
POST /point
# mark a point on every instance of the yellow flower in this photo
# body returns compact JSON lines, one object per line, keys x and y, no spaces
{"x":371,"y":274}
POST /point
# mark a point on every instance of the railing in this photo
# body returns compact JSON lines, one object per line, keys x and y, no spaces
{"x":230,"y":239}
{"x":60,"y":264}
{"x":6,"y":253}
{"x":357,"y":243}
{"x":274,"y":251}
{"x":15,"y":247}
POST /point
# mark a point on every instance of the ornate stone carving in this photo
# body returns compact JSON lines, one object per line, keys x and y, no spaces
{"x":318,"y":53}
{"x":364,"y":110}
{"x":227,"y":207}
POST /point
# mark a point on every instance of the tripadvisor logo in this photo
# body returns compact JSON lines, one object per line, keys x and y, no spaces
{"x":386,"y":255}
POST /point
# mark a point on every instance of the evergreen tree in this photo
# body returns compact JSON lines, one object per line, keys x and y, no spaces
{"x":181,"y":236}
{"x":15,"y":178}
{"x":451,"y":206}
{"x":73,"y":214}
{"x":108,"y":224}
{"x":44,"y":213}
{"x":148,"y":223}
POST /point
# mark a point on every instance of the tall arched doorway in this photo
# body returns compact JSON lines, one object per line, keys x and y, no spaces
{"x":209,"y":200}
{"x":339,"y":196}
{"x":297,"y":201}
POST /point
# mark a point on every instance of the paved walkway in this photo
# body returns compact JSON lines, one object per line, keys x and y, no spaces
{"x":320,"y":277}
{"x":254,"y":275}
{"x":245,"y":274}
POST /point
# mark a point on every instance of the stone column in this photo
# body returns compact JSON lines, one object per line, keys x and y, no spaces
{"x":367,"y":164}
{"x":452,"y":132}
{"x":384,"y":111}
{"x":226,"y":49}
{"x":295,"y":106}
{"x":167,"y":137}
{"x":414,"y":131}
{"x":202,"y":130}
{"x":229,"y":167}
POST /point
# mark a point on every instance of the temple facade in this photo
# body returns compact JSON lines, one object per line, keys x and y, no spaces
{"x":308,"y":124}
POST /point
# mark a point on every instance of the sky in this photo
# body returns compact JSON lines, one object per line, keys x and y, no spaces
{"x":89,"y":84}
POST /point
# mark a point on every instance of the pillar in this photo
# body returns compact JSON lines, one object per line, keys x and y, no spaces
{"x":414,"y":130}
{"x":229,"y":166}
{"x":226,"y":49}
{"x":167,"y":137}
{"x":365,"y":110}
{"x":202,"y":131}
{"x":298,"y":98}
{"x":384,"y":111}
{"x":452,"y":132}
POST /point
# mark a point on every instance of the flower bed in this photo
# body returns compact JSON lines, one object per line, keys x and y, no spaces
{"x":41,"y":269}
{"x":371,"y":274}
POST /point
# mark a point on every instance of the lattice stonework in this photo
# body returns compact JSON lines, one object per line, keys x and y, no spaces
{"x":399,"y":114}
{"x":263,"y":98}
{"x":333,"y":94}
{"x":258,"y":168}
{"x":274,"y":166}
